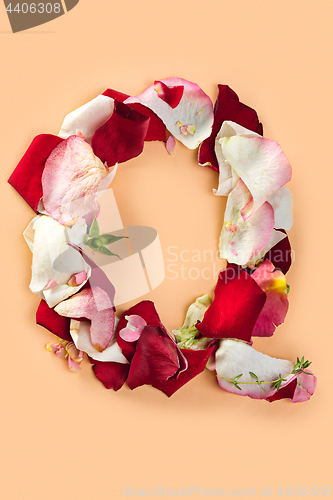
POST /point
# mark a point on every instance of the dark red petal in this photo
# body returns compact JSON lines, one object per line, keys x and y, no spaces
{"x":112,"y":375}
{"x":52,"y":321}
{"x":122,"y":136}
{"x":156,"y":358}
{"x":237,"y":304}
{"x":27,"y":176}
{"x":170,"y":95}
{"x":197,"y":361}
{"x":280,"y":255}
{"x":156,"y":129}
{"x":147,"y":311}
{"x":227,"y":107}
{"x":285,"y":392}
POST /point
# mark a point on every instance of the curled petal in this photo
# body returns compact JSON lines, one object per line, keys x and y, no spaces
{"x":236,"y":306}
{"x":260,"y":163}
{"x":195,"y":110}
{"x":274,"y":284}
{"x":71,"y":179}
{"x":54,"y":261}
{"x":122,"y":136}
{"x":88,"y":118}
{"x":306,"y":386}
{"x":133,"y":330}
{"x":80,"y":333}
{"x":234,"y":358}
{"x":227,"y":107}
{"x":156,"y":128}
{"x":241,"y":239}
{"x":94,"y":304}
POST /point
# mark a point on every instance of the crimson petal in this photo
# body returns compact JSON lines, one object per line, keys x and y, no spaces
{"x":197,"y":361}
{"x":156,"y":359}
{"x":52,"y":321}
{"x":27,"y":176}
{"x":156,"y":128}
{"x":280,"y":255}
{"x":122,"y":136}
{"x":112,"y":375}
{"x":237,"y":304}
{"x":147,"y":311}
{"x":227,"y":107}
{"x":170,"y":95}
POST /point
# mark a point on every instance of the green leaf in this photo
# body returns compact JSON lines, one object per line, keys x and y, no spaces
{"x":253,"y":375}
{"x":288,"y":288}
{"x":94,"y":244}
{"x":108,"y":239}
{"x":237,"y":386}
{"x":94,"y":229}
{"x":238,"y":376}
{"x":106,"y":251}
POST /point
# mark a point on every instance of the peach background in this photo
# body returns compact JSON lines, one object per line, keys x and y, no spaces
{"x":64,"y":436}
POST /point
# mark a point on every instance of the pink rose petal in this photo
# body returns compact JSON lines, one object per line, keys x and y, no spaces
{"x":170,"y":145}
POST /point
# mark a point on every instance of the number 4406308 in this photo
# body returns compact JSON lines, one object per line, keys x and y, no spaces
{"x":35,"y":8}
{"x":303,"y":491}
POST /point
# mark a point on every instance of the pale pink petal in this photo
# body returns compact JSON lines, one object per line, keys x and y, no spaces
{"x":78,"y":279}
{"x":133,"y":329}
{"x":170,"y":145}
{"x":282,"y":202}
{"x":88,"y":118}
{"x":80,"y":333}
{"x":234,"y":358}
{"x":242,"y":239}
{"x":274,"y":284}
{"x":193,"y":115}
{"x":94,"y":304}
{"x":51,"y":284}
{"x":74,"y":366}
{"x":306,"y":385}
{"x":71,"y":179}
{"x":260,"y":163}
{"x":228,"y":177}
{"x":275,"y":238}
{"x":73,"y":352}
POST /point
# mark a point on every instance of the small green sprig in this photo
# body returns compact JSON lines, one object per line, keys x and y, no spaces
{"x":299,"y":367}
{"x":99,"y":242}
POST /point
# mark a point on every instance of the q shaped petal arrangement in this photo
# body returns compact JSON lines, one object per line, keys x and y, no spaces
{"x":62,"y":177}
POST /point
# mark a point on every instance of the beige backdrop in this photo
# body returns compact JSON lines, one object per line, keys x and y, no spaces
{"x":64,"y":436}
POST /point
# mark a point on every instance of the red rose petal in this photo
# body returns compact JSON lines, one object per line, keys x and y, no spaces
{"x":156,"y":358}
{"x":237,"y":304}
{"x":156,"y":129}
{"x":280,"y":255}
{"x":197,"y":361}
{"x":285,"y":392}
{"x":27,"y":176}
{"x":122,"y":136}
{"x":170,"y":95}
{"x":52,"y":321}
{"x":112,"y":375}
{"x":227,"y":107}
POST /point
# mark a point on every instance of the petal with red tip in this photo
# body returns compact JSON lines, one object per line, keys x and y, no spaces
{"x":122,"y":136}
{"x":94,"y":304}
{"x":71,"y":179}
{"x":27,"y":176}
{"x":156,"y":128}
{"x":274,"y":284}
{"x":260,"y":163}
{"x":170,"y":94}
{"x":195,"y":110}
{"x":280,"y":255}
{"x":235,"y":309}
{"x":237,"y":358}
{"x":227,"y":107}
{"x":88,"y":118}
{"x":241,"y":239}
